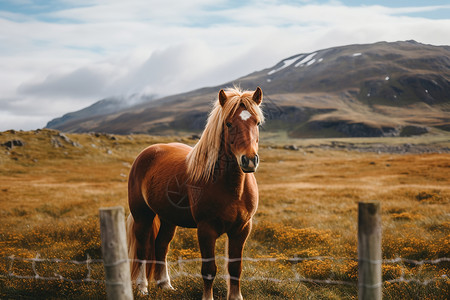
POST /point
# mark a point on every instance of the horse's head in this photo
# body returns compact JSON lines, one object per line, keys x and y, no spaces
{"x":241,"y":132}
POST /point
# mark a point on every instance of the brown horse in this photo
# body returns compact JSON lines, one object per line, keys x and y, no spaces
{"x":209,"y":187}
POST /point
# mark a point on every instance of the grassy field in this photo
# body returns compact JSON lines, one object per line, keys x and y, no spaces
{"x":52,"y":186}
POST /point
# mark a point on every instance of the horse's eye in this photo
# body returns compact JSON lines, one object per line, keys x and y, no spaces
{"x":259,"y":123}
{"x":228,"y":124}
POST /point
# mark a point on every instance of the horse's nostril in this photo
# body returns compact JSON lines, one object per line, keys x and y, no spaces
{"x":245,"y":161}
{"x":256,"y":160}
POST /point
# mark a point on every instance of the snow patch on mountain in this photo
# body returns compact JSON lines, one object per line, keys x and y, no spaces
{"x":286,"y":63}
{"x":307,"y":59}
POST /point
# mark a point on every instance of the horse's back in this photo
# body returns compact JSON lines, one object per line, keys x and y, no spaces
{"x":157,"y":154}
{"x":156,"y":180}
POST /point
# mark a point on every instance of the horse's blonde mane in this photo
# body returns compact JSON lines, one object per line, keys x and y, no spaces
{"x":202,"y":158}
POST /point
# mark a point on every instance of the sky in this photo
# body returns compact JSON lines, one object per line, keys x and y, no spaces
{"x":58,"y":56}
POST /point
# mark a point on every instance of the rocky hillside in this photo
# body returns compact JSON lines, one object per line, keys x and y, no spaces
{"x":382,"y":89}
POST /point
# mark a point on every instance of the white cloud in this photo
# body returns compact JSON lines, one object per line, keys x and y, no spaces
{"x":167,"y":71}
{"x":80,"y":83}
{"x":409,"y":10}
{"x":63,"y":60}
{"x":24,"y":122}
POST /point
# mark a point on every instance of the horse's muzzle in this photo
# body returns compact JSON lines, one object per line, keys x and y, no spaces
{"x":249,"y":165}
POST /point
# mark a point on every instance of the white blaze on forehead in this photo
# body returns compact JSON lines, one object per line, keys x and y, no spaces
{"x":245,"y":115}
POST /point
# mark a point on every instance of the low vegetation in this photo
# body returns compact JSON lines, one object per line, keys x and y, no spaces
{"x":52,"y":185}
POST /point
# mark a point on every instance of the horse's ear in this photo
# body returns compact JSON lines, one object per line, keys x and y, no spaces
{"x":222,"y":98}
{"x":257,"y":95}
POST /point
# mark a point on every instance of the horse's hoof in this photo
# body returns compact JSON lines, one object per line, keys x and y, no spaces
{"x":235,"y":297}
{"x":165,"y":286}
{"x":143,"y":291}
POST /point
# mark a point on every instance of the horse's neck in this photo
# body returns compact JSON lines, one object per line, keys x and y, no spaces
{"x":227,"y":168}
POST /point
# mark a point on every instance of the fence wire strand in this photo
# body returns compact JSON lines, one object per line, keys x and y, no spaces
{"x":298,"y":278}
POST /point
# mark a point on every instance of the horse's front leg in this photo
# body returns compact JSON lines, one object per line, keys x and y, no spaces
{"x":207,"y":237}
{"x":236,"y":243}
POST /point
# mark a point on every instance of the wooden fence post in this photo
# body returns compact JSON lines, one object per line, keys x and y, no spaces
{"x":369,"y":251}
{"x":115,"y":253}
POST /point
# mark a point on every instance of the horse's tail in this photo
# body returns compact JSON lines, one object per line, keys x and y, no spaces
{"x":132,"y":254}
{"x":148,"y":249}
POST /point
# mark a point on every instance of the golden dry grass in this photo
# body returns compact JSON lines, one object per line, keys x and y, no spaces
{"x":50,"y":198}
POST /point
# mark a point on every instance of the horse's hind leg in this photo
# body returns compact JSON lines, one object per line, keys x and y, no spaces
{"x":141,"y":233}
{"x":165,"y":235}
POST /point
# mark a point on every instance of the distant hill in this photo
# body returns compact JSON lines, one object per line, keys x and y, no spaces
{"x":101,"y":108}
{"x":381,"y":89}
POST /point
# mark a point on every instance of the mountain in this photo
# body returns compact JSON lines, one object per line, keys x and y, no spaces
{"x":101,"y":108}
{"x":381,"y":89}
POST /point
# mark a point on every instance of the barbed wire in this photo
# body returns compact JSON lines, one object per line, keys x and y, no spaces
{"x":298,"y":278}
{"x":403,"y":279}
{"x":56,"y":276}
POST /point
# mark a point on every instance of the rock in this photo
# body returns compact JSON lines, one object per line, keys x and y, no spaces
{"x":13,"y":143}
{"x":65,"y":138}
{"x":76,"y":144}
{"x":413,"y":130}
{"x":358,"y":129}
{"x":291,"y":147}
{"x":18,"y":143}
{"x":56,"y":143}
